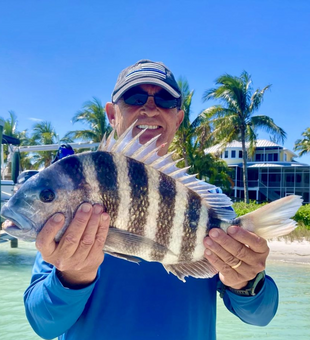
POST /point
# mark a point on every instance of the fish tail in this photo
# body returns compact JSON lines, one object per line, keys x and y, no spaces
{"x":273,"y":219}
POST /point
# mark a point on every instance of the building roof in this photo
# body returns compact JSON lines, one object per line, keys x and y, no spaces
{"x":271,"y":164}
{"x":260,"y":143}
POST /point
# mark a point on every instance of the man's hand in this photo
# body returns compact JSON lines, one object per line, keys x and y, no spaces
{"x":79,"y":253}
{"x":225,"y":251}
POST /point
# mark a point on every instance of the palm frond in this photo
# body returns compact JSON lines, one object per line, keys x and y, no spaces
{"x":93,"y":115}
{"x":267,"y":124}
{"x":257,"y":98}
{"x":303,"y":145}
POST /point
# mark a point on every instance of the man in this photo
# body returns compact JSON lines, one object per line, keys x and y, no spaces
{"x":78,"y":293}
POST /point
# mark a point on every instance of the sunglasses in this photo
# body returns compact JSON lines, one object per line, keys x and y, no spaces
{"x":162,"y":99}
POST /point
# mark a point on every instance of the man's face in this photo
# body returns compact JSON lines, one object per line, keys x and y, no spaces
{"x":157,"y":120}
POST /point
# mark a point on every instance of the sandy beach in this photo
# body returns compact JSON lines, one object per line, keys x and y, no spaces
{"x":286,"y":251}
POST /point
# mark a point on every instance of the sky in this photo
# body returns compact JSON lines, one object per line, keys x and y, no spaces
{"x":57,"y":54}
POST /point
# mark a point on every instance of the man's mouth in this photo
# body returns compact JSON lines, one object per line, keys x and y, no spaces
{"x":149,"y":127}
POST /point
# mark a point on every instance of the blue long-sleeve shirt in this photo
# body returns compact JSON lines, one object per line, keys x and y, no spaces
{"x":133,"y":302}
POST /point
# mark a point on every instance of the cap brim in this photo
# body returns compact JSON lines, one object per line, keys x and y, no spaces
{"x":151,"y":81}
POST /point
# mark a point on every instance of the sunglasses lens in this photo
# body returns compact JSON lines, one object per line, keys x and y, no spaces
{"x":138,"y":99}
{"x":166,"y":103}
{"x":163,"y":99}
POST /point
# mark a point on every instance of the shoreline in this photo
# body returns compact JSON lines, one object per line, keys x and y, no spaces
{"x":297,"y":252}
{"x":281,"y":250}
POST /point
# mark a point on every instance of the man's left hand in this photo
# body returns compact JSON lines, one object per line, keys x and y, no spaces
{"x":225,"y":251}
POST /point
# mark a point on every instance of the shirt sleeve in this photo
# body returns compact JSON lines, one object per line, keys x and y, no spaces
{"x":51,"y":308}
{"x":256,"y":310}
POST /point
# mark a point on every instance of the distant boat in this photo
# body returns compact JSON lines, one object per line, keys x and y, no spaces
{"x":6,"y":189}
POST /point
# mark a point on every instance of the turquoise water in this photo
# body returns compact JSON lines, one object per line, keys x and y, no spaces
{"x":291,"y":322}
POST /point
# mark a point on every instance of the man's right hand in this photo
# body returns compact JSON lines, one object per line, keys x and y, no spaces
{"x":79,"y":253}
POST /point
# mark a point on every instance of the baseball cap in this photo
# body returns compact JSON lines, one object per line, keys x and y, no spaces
{"x":146,"y":72}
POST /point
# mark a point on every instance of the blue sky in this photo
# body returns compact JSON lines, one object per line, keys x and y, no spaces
{"x":57,"y":54}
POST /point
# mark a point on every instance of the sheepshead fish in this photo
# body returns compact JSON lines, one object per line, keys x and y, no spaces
{"x":158,"y":212}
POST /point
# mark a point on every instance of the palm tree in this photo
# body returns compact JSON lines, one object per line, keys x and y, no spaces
{"x":190,"y":141}
{"x":93,"y":115}
{"x":235,"y":120}
{"x":24,"y":158}
{"x":43,"y":133}
{"x":184,"y":134}
{"x":303,"y":145}
{"x":10,"y":129}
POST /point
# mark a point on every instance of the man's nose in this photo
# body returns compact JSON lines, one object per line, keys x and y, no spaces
{"x":150,"y":107}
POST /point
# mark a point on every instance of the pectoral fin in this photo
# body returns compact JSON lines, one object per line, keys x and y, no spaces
{"x":124,"y":243}
{"x":124,"y":257}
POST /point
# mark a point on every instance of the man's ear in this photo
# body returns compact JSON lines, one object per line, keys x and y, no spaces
{"x":110,"y":111}
{"x":180,"y":118}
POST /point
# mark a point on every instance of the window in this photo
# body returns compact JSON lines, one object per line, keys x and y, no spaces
{"x":233,"y":153}
{"x":272,"y":157}
{"x":240,"y":153}
{"x":258,"y":157}
{"x":226,"y":154}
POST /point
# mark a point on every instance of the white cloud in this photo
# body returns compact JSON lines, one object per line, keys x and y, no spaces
{"x":36,"y":119}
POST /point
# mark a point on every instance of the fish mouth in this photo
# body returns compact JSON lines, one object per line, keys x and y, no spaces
{"x":18,"y":225}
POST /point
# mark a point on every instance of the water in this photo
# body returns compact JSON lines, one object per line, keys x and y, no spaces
{"x":291,"y":322}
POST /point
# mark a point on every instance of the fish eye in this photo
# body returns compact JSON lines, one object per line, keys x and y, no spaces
{"x":47,"y":195}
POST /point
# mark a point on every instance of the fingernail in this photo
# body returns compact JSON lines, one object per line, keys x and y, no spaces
{"x":232,"y":230}
{"x":98,"y":209}
{"x":208,"y":241}
{"x":58,"y":218}
{"x":104,"y":216}
{"x":214,"y":233}
{"x":85,"y":207}
{"x":208,"y":252}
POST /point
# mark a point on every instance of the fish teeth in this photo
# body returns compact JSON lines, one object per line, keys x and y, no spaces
{"x":150,"y":127}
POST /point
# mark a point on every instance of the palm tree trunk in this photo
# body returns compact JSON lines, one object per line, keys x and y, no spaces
{"x":184,"y":152}
{"x":245,"y":168}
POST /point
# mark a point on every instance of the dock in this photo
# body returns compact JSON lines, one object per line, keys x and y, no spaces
{"x":5,"y":237}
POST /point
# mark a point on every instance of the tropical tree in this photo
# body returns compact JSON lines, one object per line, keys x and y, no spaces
{"x":10,"y":129}
{"x":235,"y":119}
{"x":93,"y":115}
{"x":303,"y":145}
{"x":190,"y":141}
{"x":43,"y":133}
{"x":184,"y":134}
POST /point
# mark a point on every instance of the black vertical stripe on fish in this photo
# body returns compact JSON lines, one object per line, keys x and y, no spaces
{"x":190,"y":225}
{"x":138,"y":180}
{"x":74,"y":166}
{"x":106,"y":172}
{"x":166,"y":212}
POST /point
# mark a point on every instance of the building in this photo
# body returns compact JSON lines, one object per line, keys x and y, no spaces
{"x":272,"y":171}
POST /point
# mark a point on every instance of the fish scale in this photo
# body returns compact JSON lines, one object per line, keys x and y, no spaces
{"x":166,"y":213}
{"x":158,"y":212}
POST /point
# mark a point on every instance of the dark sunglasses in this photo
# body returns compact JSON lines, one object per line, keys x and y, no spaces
{"x":162,"y":99}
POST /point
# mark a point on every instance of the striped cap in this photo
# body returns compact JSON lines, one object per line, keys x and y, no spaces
{"x":145,"y":72}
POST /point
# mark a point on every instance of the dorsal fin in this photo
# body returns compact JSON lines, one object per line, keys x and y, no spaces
{"x":148,"y":154}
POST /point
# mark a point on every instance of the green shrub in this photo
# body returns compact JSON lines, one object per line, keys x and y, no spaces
{"x":242,"y":208}
{"x":303,"y":216}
